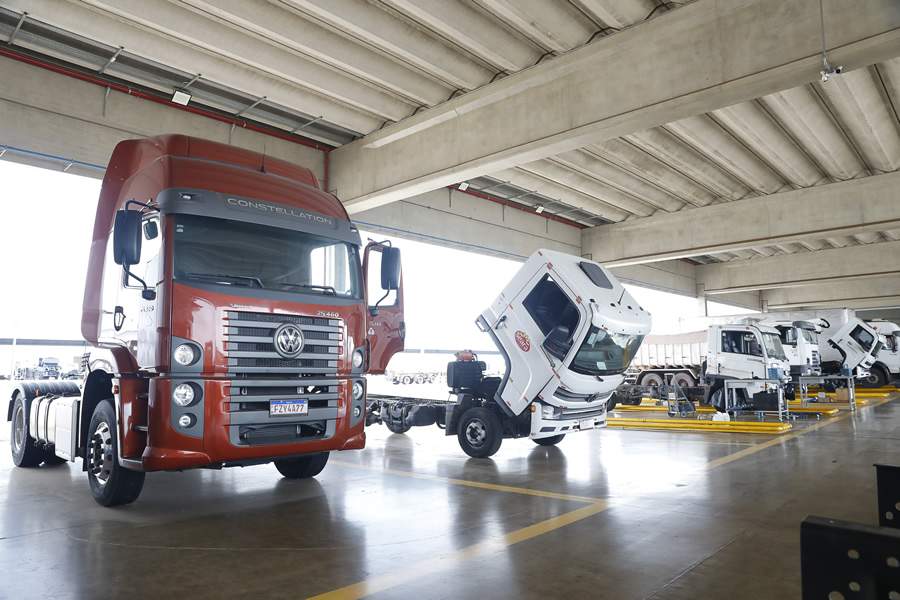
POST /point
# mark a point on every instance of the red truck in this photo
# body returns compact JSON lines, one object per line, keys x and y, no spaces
{"x":231,"y":292}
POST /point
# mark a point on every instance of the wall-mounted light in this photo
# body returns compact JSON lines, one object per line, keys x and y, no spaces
{"x":463,"y":186}
{"x":539,"y":208}
{"x":181,"y":96}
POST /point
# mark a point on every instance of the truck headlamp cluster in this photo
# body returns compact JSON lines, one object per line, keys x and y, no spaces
{"x":186,"y":420}
{"x":183,"y":395}
{"x":185,"y":355}
{"x":357,"y":358}
{"x":358,"y":390}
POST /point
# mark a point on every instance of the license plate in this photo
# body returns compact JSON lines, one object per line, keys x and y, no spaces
{"x":287,"y":408}
{"x":586,"y":424}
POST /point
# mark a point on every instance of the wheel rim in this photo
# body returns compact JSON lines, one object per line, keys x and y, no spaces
{"x":18,"y":429}
{"x":476,"y":432}
{"x":101,"y":453}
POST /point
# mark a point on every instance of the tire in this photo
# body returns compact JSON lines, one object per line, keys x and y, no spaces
{"x":652,"y":380}
{"x":479,"y":432}
{"x":717,"y":399}
{"x":611,"y":403}
{"x":550,"y":441}
{"x":877,"y":378}
{"x":24,"y":452}
{"x":111,"y":484}
{"x":683,"y":380}
{"x":302,"y":467}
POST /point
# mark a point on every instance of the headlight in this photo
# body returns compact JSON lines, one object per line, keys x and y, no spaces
{"x":183,"y":394}
{"x":357,"y":390}
{"x":185,"y":355}
{"x":186,"y":421}
{"x":357,"y":359}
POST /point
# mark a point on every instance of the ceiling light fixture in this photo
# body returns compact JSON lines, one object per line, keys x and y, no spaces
{"x":539,"y":208}
{"x":464,"y":186}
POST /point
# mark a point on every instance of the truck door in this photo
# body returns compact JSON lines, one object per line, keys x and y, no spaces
{"x":741,"y":355}
{"x":386,"y":329}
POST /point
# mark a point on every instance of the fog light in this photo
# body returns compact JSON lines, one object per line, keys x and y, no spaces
{"x":357,"y":359}
{"x":186,"y":421}
{"x":185,"y":355}
{"x":183,"y":394}
{"x":358,"y":390}
{"x":356,"y":412}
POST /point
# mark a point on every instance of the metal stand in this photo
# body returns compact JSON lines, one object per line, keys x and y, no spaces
{"x":839,"y":559}
{"x":804,"y":382}
{"x":677,"y":402}
{"x":732,"y":385}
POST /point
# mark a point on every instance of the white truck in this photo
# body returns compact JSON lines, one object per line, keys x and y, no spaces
{"x":800,"y":340}
{"x":705,"y":359}
{"x":567,"y":331}
{"x":887,"y":362}
{"x":847,"y":344}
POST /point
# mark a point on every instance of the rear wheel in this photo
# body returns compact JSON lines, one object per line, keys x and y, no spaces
{"x":111,"y":483}
{"x":683,"y":380}
{"x":550,"y":441}
{"x":717,"y":399}
{"x":480,"y":432}
{"x":24,"y":453}
{"x":302,"y":467}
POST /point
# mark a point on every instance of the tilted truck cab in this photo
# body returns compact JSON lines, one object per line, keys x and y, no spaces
{"x":567,"y":330}
{"x":231,"y":292}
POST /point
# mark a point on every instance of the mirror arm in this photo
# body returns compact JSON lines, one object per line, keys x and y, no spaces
{"x":146,"y":293}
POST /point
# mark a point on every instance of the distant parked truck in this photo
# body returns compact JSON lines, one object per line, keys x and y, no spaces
{"x":706,"y":359}
{"x":886,"y":368}
{"x":47,"y":368}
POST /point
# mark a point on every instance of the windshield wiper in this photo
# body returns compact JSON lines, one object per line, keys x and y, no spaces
{"x":229,"y":279}
{"x":309,"y":286}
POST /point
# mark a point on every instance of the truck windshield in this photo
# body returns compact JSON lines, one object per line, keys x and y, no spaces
{"x":773,"y":345}
{"x":233,"y":253}
{"x":604,"y":353}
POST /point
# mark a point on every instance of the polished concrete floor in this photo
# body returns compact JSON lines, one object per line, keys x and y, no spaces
{"x":607,"y":514}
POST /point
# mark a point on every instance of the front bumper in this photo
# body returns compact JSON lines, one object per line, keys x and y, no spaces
{"x":221,"y":431}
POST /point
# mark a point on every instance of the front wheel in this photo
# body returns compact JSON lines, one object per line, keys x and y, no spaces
{"x":877,"y":378}
{"x":480,"y":432}
{"x":111,"y":483}
{"x":302,"y":467}
{"x":550,"y":441}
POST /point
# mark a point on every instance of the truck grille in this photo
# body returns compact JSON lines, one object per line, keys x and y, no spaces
{"x":259,"y":374}
{"x":250,"y":344}
{"x":251,"y":423}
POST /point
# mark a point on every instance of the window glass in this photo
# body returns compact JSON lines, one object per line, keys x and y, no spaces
{"x":810,"y":336}
{"x":862,"y":337}
{"x":549,"y":306}
{"x":741,"y":342}
{"x":887,"y":341}
{"x":773,"y":345}
{"x":235,"y":254}
{"x":604,"y":353}
{"x":788,"y":335}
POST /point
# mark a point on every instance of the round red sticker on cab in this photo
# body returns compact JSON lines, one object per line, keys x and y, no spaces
{"x":522,"y":341}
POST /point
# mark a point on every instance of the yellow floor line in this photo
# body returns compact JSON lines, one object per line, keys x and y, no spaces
{"x":494,"y":487}
{"x":422,"y":569}
{"x":417,"y":571}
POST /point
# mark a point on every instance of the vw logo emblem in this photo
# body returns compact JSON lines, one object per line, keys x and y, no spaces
{"x":288,"y":340}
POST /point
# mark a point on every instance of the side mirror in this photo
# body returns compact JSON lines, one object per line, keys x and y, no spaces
{"x":390,"y":268}
{"x":127,"y":238}
{"x":151,"y":230}
{"x":558,"y":341}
